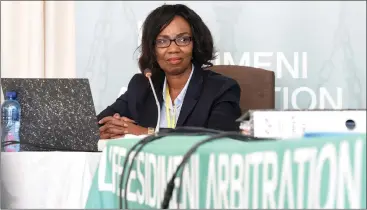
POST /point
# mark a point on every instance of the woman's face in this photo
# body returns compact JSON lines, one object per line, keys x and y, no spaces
{"x":175,"y":57}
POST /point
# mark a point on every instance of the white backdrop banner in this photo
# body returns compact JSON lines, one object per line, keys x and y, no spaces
{"x":316,"y":49}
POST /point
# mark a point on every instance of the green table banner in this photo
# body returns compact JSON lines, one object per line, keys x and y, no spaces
{"x":316,"y":173}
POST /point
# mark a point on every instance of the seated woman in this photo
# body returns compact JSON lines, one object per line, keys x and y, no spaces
{"x":176,"y":46}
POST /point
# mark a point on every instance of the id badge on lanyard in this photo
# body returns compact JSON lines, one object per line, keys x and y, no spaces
{"x":170,"y":117}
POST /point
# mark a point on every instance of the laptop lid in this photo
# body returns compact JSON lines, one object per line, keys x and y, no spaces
{"x":55,"y":112}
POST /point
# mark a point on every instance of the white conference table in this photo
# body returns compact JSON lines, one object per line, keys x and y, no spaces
{"x":32,"y":180}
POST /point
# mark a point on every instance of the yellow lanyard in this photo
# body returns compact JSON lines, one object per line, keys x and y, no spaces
{"x":171,"y":118}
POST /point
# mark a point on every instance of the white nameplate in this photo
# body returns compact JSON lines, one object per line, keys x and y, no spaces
{"x":290,"y":124}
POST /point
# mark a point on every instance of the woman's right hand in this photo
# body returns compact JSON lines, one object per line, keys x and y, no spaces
{"x":113,"y":126}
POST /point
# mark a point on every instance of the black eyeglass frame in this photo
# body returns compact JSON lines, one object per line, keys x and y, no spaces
{"x":174,"y":40}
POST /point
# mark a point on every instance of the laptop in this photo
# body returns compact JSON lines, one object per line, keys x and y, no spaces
{"x":56,"y":114}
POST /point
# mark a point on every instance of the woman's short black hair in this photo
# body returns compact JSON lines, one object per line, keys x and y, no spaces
{"x":158,"y":19}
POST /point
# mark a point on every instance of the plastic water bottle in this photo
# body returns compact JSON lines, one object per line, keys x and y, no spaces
{"x":10,"y":113}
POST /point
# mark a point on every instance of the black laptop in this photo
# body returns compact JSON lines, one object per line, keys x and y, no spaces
{"x":56,"y":114}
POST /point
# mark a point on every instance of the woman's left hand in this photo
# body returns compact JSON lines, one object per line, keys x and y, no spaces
{"x":117,"y":127}
{"x":131,"y":128}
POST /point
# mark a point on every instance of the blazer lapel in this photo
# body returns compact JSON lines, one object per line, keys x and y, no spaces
{"x":192,"y":95}
{"x":150,"y":113}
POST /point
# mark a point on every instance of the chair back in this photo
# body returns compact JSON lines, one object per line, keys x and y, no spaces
{"x":257,"y":85}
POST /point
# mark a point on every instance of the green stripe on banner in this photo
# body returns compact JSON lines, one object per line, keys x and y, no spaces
{"x":327,"y":172}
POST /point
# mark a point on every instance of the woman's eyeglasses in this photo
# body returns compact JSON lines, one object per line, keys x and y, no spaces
{"x":180,"y":41}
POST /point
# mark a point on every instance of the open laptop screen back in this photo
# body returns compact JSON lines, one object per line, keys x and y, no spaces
{"x":55,"y":112}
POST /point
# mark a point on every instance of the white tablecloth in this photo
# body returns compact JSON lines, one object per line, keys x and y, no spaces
{"x":46,"y":179}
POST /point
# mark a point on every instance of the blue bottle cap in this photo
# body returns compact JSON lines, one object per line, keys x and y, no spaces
{"x":11,"y":94}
